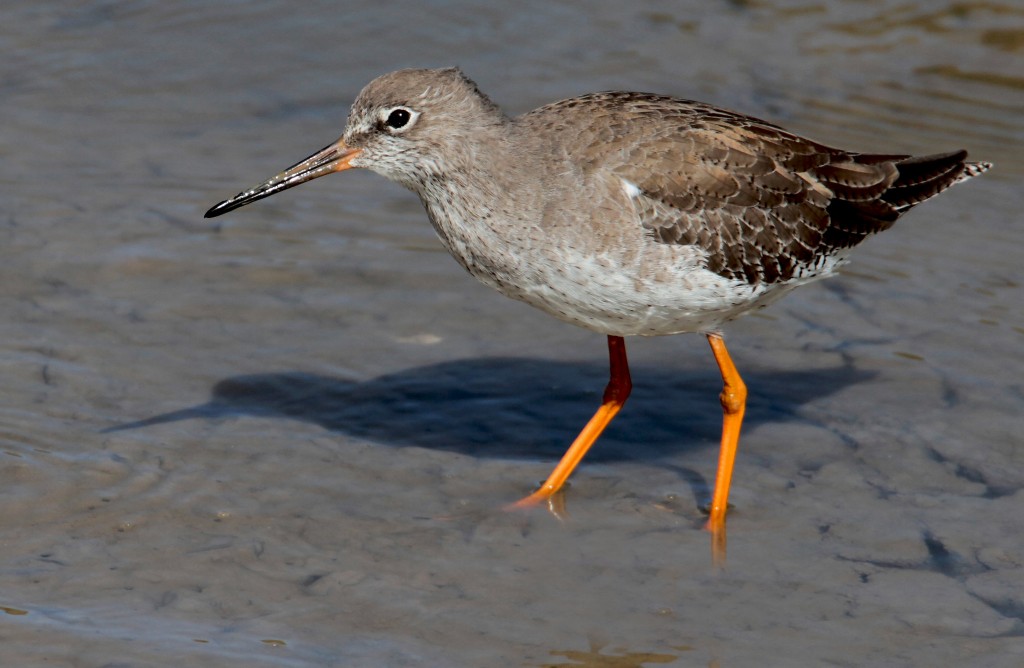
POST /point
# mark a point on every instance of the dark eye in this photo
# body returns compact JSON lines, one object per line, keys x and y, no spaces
{"x":398,"y":118}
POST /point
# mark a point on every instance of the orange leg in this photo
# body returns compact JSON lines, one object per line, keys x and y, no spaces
{"x":734,"y":402}
{"x":615,"y":395}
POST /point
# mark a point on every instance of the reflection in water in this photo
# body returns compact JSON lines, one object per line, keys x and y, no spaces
{"x":556,"y":504}
{"x":718,"y":545}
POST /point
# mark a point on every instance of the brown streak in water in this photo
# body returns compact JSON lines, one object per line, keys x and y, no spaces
{"x":13,"y":611}
{"x":933,"y":22}
{"x":593,"y":658}
{"x":991,"y":78}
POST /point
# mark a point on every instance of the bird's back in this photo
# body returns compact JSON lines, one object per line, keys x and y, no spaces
{"x":765,"y":206}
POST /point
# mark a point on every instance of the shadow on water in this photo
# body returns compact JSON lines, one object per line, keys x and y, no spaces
{"x":514,"y":407}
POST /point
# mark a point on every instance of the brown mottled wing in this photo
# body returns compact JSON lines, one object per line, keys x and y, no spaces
{"x":765,"y":205}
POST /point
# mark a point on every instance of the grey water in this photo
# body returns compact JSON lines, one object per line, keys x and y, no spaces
{"x":284,"y":437}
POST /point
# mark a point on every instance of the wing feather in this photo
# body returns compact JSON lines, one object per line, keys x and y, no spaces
{"x":763,"y":204}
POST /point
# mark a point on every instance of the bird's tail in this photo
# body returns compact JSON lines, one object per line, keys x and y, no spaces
{"x":972,"y":169}
{"x":924,"y":177}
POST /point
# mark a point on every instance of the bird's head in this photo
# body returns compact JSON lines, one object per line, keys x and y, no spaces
{"x":409,"y":126}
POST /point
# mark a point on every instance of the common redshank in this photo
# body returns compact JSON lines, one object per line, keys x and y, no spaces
{"x":629,"y":214}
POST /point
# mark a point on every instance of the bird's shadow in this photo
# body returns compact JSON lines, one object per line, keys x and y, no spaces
{"x":515,"y":407}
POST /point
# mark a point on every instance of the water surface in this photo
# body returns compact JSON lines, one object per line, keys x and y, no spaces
{"x":282,"y":437}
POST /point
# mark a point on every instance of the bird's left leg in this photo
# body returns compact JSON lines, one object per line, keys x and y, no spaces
{"x":734,"y":402}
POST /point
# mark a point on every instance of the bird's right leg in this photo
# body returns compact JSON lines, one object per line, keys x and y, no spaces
{"x":615,"y":395}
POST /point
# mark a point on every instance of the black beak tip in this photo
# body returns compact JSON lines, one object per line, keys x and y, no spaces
{"x":217,"y":210}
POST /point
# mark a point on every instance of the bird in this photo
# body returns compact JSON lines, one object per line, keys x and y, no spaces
{"x":625,"y":213}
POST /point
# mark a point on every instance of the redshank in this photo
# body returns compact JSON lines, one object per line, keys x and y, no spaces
{"x":629,"y":214}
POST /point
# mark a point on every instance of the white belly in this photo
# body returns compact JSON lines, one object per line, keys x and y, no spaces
{"x":662,"y":290}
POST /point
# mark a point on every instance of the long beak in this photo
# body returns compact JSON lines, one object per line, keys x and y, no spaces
{"x":334,"y":158}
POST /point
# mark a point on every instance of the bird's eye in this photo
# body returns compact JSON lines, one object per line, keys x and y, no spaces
{"x":398,"y":118}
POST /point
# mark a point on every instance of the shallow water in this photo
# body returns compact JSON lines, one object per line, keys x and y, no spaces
{"x":281,"y":438}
